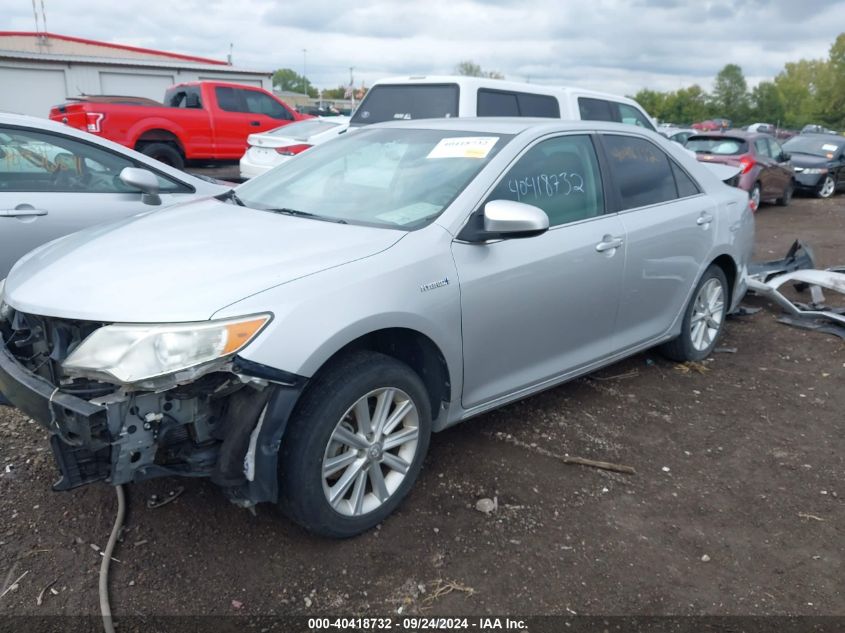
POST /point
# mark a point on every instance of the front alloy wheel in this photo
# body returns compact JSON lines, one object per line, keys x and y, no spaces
{"x":827,"y":187}
{"x":354,"y":444}
{"x":370,"y":451}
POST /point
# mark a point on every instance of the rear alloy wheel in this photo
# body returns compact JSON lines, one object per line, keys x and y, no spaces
{"x":786,"y":198}
{"x":827,"y":187}
{"x":704,"y":319}
{"x":754,"y":195}
{"x":355,"y":445}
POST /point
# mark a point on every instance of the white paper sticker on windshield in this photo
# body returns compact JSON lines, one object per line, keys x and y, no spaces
{"x":829,"y":147}
{"x":464,"y":147}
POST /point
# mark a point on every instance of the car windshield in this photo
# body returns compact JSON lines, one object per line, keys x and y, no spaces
{"x":721,"y":145}
{"x":303,"y":130}
{"x":386,"y":177}
{"x":387,"y":102}
{"x":815,"y":146}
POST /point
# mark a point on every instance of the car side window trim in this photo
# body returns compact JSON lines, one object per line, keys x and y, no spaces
{"x":183,"y":186}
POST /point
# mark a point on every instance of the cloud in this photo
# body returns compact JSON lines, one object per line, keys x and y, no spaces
{"x":614,"y":45}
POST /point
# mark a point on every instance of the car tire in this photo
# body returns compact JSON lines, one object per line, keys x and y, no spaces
{"x":827,"y":187}
{"x":786,"y":198}
{"x":165,"y":153}
{"x":706,"y":309}
{"x":327,"y":430}
{"x":755,"y":195}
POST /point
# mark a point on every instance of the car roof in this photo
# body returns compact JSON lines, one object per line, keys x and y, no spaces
{"x":510,"y":125}
{"x":743,"y":134}
{"x":500,"y":84}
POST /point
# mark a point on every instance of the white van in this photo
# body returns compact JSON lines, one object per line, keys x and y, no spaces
{"x":402,"y":98}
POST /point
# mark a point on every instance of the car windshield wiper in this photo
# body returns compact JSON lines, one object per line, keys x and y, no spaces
{"x":231,"y":195}
{"x":304,"y":214}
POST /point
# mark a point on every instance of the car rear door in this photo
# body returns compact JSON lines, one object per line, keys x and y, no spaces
{"x":52,"y":185}
{"x":536,"y":308}
{"x":783,"y":167}
{"x":669,"y":227}
{"x":770,"y":177}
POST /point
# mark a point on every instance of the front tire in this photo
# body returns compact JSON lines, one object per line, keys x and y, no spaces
{"x":355,"y":445}
{"x":704,"y":319}
{"x":826,"y":188}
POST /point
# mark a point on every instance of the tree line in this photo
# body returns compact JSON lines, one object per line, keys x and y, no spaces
{"x":806,"y":91}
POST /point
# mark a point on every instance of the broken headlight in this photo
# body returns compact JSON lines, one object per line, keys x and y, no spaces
{"x":4,"y":308}
{"x":138,"y":352}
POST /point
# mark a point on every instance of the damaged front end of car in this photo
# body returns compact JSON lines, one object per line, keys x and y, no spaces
{"x":128,"y":402}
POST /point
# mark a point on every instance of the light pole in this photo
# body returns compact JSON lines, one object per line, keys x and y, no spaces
{"x":304,"y":70}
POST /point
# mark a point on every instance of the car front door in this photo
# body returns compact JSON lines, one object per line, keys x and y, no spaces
{"x":785,"y":172}
{"x":52,"y":185}
{"x":669,"y":227}
{"x":536,"y":308}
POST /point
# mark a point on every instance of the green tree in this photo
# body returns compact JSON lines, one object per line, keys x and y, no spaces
{"x":832,"y":90}
{"x":654,"y":102}
{"x":799,"y":83}
{"x":468,"y":68}
{"x":767,"y":104}
{"x":687,"y":105}
{"x":730,"y":93}
{"x":289,"y":80}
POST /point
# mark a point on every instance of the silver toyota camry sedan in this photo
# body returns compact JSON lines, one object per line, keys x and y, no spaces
{"x":298,"y":339}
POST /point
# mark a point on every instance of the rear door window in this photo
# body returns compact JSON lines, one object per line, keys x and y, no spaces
{"x":506,"y":103}
{"x":641,"y":170}
{"x":761,"y":147}
{"x":497,"y":103}
{"x":399,"y":102}
{"x":595,"y":109}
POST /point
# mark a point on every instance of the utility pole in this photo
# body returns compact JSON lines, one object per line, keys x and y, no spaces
{"x":352,"y":85}
{"x":304,"y":70}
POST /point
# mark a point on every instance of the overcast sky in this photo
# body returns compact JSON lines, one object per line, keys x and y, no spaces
{"x":614,"y":45}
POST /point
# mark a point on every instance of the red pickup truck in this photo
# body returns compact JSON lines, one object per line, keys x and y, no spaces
{"x":207,"y":120}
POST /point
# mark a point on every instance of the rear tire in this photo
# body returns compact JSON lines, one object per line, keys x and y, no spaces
{"x":165,"y":153}
{"x":328,"y":443}
{"x":704,"y":319}
{"x":786,"y":198}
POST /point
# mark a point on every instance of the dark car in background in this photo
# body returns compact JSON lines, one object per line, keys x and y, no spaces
{"x":766,"y":172}
{"x":819,"y":162}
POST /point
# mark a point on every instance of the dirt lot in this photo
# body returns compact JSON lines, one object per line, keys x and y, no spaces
{"x":736,"y":506}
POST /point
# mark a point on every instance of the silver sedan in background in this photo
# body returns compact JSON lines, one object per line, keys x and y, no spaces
{"x":55,"y":180}
{"x":298,"y":339}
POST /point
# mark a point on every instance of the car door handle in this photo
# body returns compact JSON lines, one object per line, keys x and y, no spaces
{"x":21,"y":213}
{"x":704,"y":219}
{"x":608,"y":243}
{"x":255,"y":123}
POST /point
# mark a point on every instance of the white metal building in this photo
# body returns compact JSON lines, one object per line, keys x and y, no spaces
{"x":40,"y":70}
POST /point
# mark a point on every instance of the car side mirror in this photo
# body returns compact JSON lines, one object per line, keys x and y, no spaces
{"x":785,"y":156}
{"x":143,"y":180}
{"x":505,"y":219}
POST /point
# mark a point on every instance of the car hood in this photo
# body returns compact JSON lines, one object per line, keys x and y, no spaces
{"x":182,"y":263}
{"x":808,"y":160}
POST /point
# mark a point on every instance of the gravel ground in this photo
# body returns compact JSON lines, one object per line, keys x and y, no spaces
{"x":736,"y":506}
